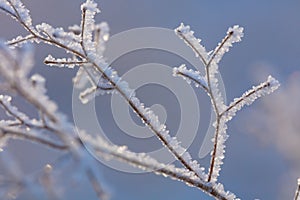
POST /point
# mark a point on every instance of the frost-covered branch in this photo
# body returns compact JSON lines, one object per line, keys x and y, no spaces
{"x":19,"y":40}
{"x":190,"y":75}
{"x":188,"y":37}
{"x":18,"y":11}
{"x":234,"y":34}
{"x":209,"y":83}
{"x":250,"y":96}
{"x":89,"y":10}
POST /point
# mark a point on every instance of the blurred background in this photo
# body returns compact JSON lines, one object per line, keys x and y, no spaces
{"x":262,"y":155}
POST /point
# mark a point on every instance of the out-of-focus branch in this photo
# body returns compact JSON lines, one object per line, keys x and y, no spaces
{"x":297,"y":193}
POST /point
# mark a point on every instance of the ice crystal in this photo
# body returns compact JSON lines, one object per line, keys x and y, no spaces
{"x":89,"y":9}
{"x":250,"y":96}
{"x":187,"y":35}
{"x":190,"y":75}
{"x":16,"y":9}
{"x":234,"y":34}
{"x":62,"y":62}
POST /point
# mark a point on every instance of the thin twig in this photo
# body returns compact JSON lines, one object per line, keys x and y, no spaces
{"x":83,"y":30}
{"x":8,"y":12}
{"x":10,"y":112}
{"x":193,"y":47}
{"x":18,"y":18}
{"x":193,"y":79}
{"x":48,"y":62}
{"x":19,"y":134}
{"x":24,"y":39}
{"x":241,"y":99}
{"x":216,"y":109}
{"x":217,"y":50}
{"x":213,"y":156}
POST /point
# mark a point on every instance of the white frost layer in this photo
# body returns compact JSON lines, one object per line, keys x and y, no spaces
{"x":187,"y":35}
{"x":68,"y":39}
{"x":250,"y":96}
{"x":151,"y":120}
{"x":220,"y":149}
{"x":89,"y":10}
{"x":234,"y":34}
{"x":62,"y":62}
{"x":18,"y":10}
{"x":190,"y":75}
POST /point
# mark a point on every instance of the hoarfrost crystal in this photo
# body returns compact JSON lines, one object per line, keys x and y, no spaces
{"x":187,"y":35}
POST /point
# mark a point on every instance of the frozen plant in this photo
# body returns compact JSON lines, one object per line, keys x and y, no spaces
{"x":85,"y":43}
